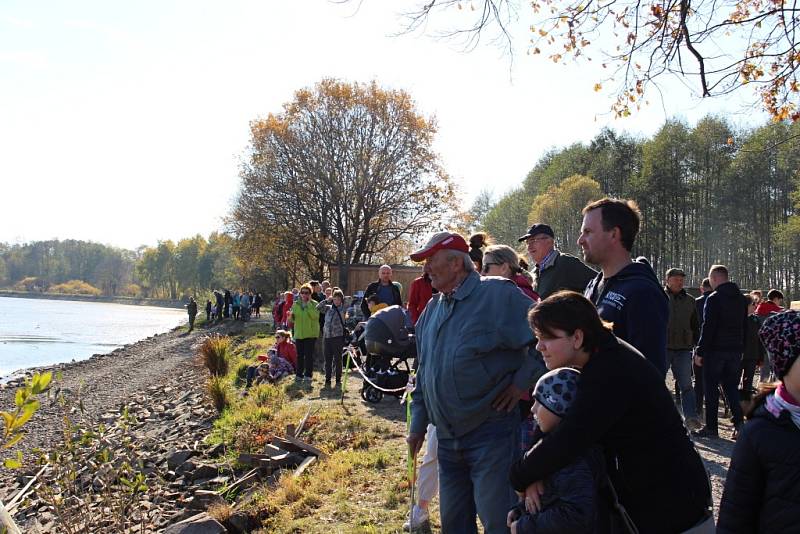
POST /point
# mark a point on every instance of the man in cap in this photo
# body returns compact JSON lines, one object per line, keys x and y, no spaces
{"x":683,"y":331}
{"x":475,"y":361}
{"x":553,"y":270}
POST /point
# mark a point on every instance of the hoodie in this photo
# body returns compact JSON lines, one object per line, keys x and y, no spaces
{"x":634,"y":301}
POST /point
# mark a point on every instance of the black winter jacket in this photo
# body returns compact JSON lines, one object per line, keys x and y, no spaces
{"x":724,"y":321}
{"x":373,"y":289}
{"x":762,"y":489}
{"x":700,"y":302}
{"x":571,"y":499}
{"x":753,"y":348}
{"x":623,"y":405}
{"x":634,"y":301}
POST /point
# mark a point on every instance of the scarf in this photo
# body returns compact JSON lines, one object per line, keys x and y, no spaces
{"x":782,"y":400}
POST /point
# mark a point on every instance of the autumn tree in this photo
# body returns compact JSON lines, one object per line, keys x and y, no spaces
{"x":560,"y":207}
{"x":715,"y":47}
{"x":340,"y":174}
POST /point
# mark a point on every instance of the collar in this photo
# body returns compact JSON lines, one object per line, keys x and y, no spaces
{"x":548,"y":260}
{"x":462,"y":290}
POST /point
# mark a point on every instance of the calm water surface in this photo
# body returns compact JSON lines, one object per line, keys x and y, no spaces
{"x":37,"y":332}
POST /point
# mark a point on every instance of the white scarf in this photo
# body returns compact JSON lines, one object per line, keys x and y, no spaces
{"x":776,"y":404}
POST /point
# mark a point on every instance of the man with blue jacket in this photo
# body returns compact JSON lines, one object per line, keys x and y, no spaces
{"x":475,"y":361}
{"x":626,"y":292}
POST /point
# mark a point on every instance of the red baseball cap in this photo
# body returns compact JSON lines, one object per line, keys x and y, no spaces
{"x":441,"y":241}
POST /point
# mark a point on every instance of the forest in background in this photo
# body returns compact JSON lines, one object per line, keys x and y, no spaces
{"x":708,"y":193}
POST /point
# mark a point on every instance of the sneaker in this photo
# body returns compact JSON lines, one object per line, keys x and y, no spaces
{"x":705,"y":432}
{"x":419,"y":516}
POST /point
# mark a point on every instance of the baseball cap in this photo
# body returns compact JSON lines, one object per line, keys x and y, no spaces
{"x":675,"y":272}
{"x":538,"y":228}
{"x":440,"y":241}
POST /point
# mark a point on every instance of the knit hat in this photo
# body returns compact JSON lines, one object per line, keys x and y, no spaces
{"x":556,"y":390}
{"x":781,"y":337}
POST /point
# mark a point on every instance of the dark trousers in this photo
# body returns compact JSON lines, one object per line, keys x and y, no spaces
{"x":699,"y":388}
{"x":191,"y":322}
{"x":333,"y":357}
{"x":722,"y":368}
{"x":748,"y":370}
{"x":305,"y":356}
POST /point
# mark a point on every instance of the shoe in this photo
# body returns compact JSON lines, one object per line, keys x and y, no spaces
{"x":706,"y":433}
{"x":298,"y":378}
{"x":419,"y":516}
{"x":693,"y":424}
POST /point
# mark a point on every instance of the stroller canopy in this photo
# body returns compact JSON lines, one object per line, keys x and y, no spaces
{"x":386,"y":334}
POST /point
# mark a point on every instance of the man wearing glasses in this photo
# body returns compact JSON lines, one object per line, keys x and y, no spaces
{"x":553,"y":270}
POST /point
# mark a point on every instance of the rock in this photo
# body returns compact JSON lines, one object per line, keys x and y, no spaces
{"x":204,"y":471}
{"x":198,"y":524}
{"x":203,"y":499}
{"x":177,"y":458}
{"x":216,"y":451}
{"x":239,"y":522}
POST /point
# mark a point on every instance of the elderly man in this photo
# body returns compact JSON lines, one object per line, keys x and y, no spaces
{"x":387,"y":291}
{"x":553,"y":270}
{"x":476,"y":359}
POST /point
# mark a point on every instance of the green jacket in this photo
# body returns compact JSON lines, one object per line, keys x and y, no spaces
{"x":683,"y":328}
{"x":561,"y":272}
{"x":306,"y":320}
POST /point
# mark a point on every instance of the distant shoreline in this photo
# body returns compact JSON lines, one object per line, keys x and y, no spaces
{"x":133,"y":301}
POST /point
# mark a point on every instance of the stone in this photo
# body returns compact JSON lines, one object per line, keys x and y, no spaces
{"x":177,"y":458}
{"x":239,"y":522}
{"x":204,"y":471}
{"x":198,"y":524}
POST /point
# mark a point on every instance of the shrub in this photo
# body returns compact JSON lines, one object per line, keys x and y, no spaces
{"x":131,"y":290}
{"x":75,"y":287}
{"x":214,"y":351}
{"x":30,"y":283}
{"x":218,"y":391}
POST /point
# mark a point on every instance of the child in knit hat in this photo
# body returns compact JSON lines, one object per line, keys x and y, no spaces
{"x":570,"y":502}
{"x":762,"y":489}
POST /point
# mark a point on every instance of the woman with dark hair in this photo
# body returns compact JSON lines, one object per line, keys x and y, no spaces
{"x":622,"y":405}
{"x":762,"y":493}
{"x":476,"y":244}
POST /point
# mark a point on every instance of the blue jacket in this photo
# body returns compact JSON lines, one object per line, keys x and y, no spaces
{"x":471,"y":347}
{"x":634,"y":301}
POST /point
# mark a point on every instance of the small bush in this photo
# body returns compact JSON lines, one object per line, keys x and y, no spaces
{"x":75,"y":287}
{"x":214,"y":351}
{"x":131,"y":290}
{"x":219,"y":392}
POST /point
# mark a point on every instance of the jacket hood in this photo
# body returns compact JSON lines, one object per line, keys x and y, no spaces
{"x":521,"y":281}
{"x":640,"y":269}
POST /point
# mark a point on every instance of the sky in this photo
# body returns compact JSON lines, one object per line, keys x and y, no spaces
{"x":125,"y":123}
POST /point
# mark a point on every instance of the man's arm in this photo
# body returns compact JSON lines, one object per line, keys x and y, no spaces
{"x":364,"y":306}
{"x":694,"y":324}
{"x":709,"y":329}
{"x":646,"y":314}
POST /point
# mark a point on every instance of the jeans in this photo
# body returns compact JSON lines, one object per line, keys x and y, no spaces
{"x":473,"y":476}
{"x":722,"y":368}
{"x":748,"y":375}
{"x":305,"y":356}
{"x":680,"y":361}
{"x":333,"y":357}
{"x":699,"y":395}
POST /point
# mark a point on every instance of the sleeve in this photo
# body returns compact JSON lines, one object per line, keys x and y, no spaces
{"x":364,"y":306}
{"x":580,"y":275}
{"x":573,"y":512}
{"x":584,"y":427}
{"x":709,"y":326}
{"x":645,"y":312}
{"x":413,"y":297}
{"x":515,"y":333}
{"x":322,"y":306}
{"x":399,"y":293}
{"x":313,"y":313}
{"x":744,"y":488}
{"x":419,"y":412}
{"x":694,"y":324}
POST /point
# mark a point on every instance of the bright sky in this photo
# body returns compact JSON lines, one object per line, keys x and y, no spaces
{"x":124,"y":122}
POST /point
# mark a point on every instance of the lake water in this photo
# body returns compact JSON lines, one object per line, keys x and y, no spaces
{"x":38,"y":332}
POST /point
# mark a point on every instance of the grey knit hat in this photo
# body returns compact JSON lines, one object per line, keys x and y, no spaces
{"x":556,"y":390}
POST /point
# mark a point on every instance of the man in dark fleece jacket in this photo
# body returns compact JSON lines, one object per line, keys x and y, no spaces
{"x":626,"y":292}
{"x":720,"y":348}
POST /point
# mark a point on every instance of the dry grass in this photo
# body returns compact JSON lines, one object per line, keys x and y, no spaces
{"x":215,"y":354}
{"x":219,"y":392}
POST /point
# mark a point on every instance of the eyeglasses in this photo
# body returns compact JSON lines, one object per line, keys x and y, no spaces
{"x":487,"y":265}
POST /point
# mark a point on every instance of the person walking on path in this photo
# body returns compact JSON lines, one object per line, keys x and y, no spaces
{"x":333,"y":336}
{"x":553,"y":270}
{"x":627,"y":293}
{"x":762,"y":493}
{"x":622,"y":405}
{"x":683,"y":331}
{"x":387,"y":291}
{"x":305,"y":317}
{"x":719,"y":350}
{"x":476,"y":326}
{"x":191,"y":308}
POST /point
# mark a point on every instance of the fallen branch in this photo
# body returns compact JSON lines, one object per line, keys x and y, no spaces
{"x":17,"y":499}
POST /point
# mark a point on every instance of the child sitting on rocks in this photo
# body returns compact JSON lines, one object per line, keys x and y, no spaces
{"x":570,"y":502}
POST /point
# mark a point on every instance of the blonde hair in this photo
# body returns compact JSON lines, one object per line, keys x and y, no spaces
{"x":503,"y":254}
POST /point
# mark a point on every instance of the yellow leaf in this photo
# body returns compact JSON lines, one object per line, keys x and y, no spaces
{"x":597,"y":87}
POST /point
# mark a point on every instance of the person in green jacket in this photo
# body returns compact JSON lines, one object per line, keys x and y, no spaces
{"x":305,"y":317}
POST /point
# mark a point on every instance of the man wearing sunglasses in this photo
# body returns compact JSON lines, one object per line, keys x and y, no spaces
{"x":553,"y":270}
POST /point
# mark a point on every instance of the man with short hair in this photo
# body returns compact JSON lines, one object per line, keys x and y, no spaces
{"x":626,"y":292}
{"x":683,"y":331}
{"x":699,"y":389}
{"x":475,"y":361}
{"x":719,"y":350}
{"x":387,"y":291}
{"x":553,"y":270}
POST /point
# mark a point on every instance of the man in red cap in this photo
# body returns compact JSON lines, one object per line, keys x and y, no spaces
{"x":475,"y":360}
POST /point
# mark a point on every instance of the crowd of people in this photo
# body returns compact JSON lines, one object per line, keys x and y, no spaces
{"x":588,"y":352}
{"x":237,"y":305}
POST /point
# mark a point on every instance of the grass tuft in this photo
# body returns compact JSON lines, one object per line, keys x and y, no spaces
{"x":218,"y":390}
{"x":214,"y":352}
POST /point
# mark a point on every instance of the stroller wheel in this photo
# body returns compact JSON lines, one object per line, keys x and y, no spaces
{"x":370,"y":394}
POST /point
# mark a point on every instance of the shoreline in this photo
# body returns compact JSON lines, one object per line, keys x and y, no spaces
{"x":131,"y":301}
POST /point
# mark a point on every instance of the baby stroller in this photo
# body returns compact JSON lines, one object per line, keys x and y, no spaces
{"x":389,"y":344}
